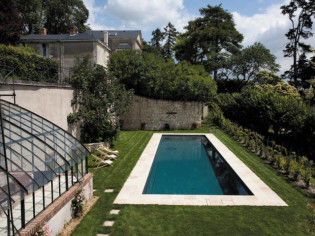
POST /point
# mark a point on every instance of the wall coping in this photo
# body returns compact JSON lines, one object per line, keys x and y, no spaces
{"x":34,"y":83}
{"x":53,"y":208}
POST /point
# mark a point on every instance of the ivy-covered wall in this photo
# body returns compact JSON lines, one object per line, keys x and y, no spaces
{"x":27,"y":65}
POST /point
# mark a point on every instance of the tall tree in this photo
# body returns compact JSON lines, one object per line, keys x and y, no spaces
{"x":99,"y":98}
{"x":300,"y":13}
{"x":62,"y":15}
{"x":251,"y":60}
{"x":31,"y":12}
{"x":157,"y":38}
{"x":170,"y":33}
{"x":209,"y":39}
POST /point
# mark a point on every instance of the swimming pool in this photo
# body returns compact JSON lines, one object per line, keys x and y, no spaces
{"x":132,"y":191}
{"x":191,"y":165}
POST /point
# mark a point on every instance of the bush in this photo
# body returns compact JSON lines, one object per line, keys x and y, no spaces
{"x":27,"y":65}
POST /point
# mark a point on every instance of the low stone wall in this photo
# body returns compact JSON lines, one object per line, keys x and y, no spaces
{"x":59,"y":212}
{"x":151,"y":114}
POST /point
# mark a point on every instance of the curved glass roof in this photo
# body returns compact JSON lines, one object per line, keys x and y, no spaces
{"x":34,"y":152}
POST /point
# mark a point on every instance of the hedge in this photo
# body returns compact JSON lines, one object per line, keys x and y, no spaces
{"x":27,"y":65}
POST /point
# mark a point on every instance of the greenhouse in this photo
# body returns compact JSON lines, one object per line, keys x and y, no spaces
{"x":39,"y":162}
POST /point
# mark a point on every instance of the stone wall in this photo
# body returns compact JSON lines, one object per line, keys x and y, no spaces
{"x":151,"y":114}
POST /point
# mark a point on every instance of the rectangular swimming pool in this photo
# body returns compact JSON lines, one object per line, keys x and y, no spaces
{"x":191,"y":165}
{"x":139,"y":188}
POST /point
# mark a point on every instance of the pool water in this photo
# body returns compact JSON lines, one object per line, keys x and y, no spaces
{"x":190,"y":165}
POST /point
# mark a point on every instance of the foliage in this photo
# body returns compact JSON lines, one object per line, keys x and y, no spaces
{"x":150,"y":75}
{"x":57,"y":16}
{"x":298,"y":167}
{"x":157,"y":39}
{"x":276,"y":111}
{"x":32,"y":13}
{"x":209,"y":39}
{"x":24,"y":64}
{"x":77,"y":204}
{"x":11,"y":25}
{"x":300,"y":13}
{"x":99,"y":99}
{"x":230,"y":85}
{"x":251,"y":60}
{"x":266,"y":77}
{"x":170,"y":35}
{"x":263,"y":108}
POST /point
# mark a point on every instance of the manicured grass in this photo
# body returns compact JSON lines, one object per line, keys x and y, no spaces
{"x":193,"y":220}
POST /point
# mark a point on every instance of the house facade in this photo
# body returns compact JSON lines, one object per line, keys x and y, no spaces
{"x":98,"y":44}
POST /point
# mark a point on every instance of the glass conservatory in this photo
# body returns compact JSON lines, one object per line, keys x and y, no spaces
{"x":39,"y":162}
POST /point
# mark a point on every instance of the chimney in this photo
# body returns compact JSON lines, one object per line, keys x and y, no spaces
{"x":106,"y":38}
{"x":43,"y":31}
{"x":73,"y":31}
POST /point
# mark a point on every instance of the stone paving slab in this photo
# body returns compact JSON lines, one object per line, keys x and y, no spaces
{"x":108,"y":223}
{"x":131,"y":193}
{"x":114,"y":212}
{"x":109,"y":191}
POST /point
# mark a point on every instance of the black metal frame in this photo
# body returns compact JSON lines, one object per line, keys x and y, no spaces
{"x":24,"y":137}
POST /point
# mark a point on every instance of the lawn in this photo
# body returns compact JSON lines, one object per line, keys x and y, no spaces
{"x":193,"y":220}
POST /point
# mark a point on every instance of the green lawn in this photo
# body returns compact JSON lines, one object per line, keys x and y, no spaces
{"x":193,"y":220}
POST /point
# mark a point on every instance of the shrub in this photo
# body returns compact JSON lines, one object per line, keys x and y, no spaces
{"x":77,"y":204}
{"x":26,"y":65}
{"x":294,"y":169}
{"x":282,"y":163}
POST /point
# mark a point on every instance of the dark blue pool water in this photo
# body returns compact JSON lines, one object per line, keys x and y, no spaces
{"x":191,"y":165}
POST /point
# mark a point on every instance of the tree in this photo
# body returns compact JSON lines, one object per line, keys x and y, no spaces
{"x":251,"y":60}
{"x":99,"y":99}
{"x":61,"y":15}
{"x":148,"y":74}
{"x":170,"y":34}
{"x":209,"y":39}
{"x":31,"y":12}
{"x":157,"y":38}
{"x":301,"y":26}
{"x":11,"y":24}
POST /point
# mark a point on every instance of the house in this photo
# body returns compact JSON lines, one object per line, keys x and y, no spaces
{"x":99,"y":44}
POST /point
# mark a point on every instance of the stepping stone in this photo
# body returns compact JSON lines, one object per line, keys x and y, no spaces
{"x":109,"y":223}
{"x":114,"y":212}
{"x":109,"y":190}
{"x":102,"y":235}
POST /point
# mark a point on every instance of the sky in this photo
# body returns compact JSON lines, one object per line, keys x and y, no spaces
{"x":258,"y":20}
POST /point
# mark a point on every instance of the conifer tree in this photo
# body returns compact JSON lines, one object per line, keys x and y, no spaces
{"x":170,"y":33}
{"x":300,"y":13}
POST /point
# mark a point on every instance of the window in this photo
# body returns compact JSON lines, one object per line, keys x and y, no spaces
{"x":45,"y":50}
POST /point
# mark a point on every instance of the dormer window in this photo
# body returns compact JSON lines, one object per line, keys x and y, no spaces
{"x":112,"y":33}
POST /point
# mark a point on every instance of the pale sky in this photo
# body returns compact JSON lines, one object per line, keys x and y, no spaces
{"x":258,"y":20}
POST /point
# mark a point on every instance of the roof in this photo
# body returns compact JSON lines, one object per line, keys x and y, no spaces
{"x":112,"y":34}
{"x":90,"y":35}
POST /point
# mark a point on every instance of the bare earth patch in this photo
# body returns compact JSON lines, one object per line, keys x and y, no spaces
{"x":69,"y":227}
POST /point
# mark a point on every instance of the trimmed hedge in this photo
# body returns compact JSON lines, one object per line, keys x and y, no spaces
{"x":27,"y":65}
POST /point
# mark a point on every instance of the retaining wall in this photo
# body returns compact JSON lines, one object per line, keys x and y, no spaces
{"x":152,"y":114}
{"x":51,"y":101}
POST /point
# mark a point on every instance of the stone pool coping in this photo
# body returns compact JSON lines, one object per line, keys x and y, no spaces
{"x":131,"y":192}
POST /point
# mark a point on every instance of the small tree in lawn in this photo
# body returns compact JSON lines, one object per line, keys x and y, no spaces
{"x":99,"y":99}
